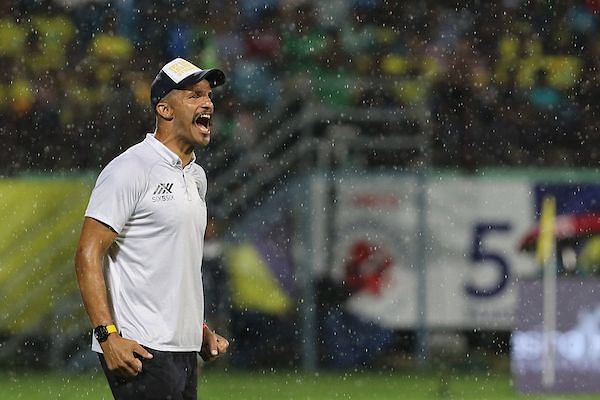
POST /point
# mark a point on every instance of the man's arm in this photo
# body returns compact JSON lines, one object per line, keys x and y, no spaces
{"x":96,"y":238}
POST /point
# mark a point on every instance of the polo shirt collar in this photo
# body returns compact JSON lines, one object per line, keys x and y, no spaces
{"x":172,"y":158}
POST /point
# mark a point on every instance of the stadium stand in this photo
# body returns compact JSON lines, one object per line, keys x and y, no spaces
{"x":74,"y":91}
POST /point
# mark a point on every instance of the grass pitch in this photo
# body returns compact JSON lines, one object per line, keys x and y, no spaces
{"x":282,"y":385}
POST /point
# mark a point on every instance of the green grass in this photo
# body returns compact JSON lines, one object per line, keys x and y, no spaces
{"x":281,"y":385}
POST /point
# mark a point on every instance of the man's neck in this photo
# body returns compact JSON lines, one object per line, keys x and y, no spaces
{"x":183,"y":150}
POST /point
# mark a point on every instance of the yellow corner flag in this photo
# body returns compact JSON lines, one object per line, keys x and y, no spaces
{"x":545,"y":242}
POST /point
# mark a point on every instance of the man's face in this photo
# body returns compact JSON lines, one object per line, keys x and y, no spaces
{"x":192,"y":111}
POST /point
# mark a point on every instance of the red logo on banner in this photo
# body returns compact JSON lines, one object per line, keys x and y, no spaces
{"x":366,"y":268}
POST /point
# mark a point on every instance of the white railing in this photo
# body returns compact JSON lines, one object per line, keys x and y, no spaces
{"x":294,"y":140}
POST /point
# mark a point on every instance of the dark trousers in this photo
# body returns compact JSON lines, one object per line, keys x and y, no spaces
{"x":168,"y":375}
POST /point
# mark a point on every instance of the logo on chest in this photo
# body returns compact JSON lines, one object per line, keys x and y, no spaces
{"x":163,"y":192}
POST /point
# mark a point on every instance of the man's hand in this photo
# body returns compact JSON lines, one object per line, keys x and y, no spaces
{"x":213,"y":344}
{"x":119,"y":354}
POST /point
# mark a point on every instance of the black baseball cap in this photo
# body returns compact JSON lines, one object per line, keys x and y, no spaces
{"x":179,"y":73}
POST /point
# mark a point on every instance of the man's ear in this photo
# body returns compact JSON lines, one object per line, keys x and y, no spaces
{"x":164,"y":110}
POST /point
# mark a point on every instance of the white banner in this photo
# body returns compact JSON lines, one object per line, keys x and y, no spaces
{"x":473,"y":225}
{"x":374,"y":248}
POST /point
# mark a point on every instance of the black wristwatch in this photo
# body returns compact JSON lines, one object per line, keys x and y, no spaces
{"x":102,"y":331}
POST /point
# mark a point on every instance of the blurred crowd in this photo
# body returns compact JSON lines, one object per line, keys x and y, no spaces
{"x":507,"y":83}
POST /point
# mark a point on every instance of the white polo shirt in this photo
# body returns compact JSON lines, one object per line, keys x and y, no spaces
{"x":153,"y":269}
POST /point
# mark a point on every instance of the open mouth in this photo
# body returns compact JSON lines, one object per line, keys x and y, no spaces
{"x":203,"y":120}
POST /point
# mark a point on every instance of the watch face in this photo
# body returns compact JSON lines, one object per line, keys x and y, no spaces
{"x":101,"y":333}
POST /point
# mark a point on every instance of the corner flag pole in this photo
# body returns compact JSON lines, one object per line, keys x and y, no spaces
{"x":546,"y":257}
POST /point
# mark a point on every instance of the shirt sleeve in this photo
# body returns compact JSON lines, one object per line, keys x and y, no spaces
{"x":116,"y":194}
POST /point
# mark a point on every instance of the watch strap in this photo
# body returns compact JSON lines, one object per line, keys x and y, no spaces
{"x":111,"y":329}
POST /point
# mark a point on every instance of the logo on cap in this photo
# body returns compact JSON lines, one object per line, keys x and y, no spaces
{"x":179,"y":69}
